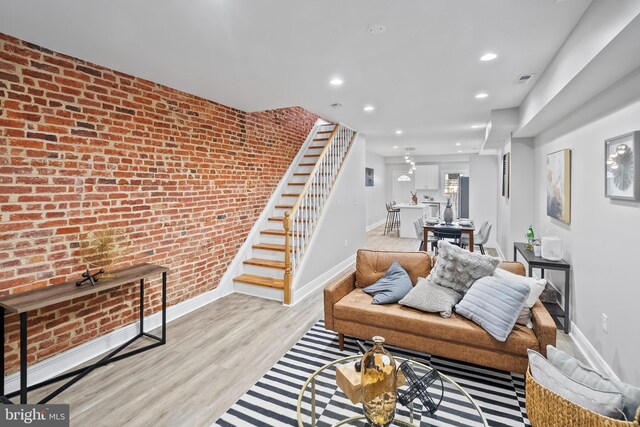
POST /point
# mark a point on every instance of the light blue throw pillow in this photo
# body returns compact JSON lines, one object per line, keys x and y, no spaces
{"x":584,"y":375}
{"x":494,"y":304}
{"x":391,"y":287}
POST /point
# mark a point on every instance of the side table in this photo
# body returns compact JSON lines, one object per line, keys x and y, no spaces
{"x":27,"y":301}
{"x":538,"y":262}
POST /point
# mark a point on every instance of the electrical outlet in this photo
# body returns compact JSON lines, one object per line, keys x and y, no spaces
{"x":346,"y":243}
{"x":605,"y":323}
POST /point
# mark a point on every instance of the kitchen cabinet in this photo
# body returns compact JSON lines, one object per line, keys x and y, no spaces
{"x":427,"y":177}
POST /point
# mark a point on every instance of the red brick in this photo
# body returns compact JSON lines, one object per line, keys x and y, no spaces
{"x":89,"y":148}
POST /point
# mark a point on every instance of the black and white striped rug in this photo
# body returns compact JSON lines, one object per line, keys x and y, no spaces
{"x":272,"y":401}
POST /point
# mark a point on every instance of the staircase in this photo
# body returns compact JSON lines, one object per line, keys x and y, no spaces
{"x":284,"y":236}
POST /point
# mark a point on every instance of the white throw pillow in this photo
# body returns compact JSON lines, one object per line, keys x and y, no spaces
{"x":536,"y":285}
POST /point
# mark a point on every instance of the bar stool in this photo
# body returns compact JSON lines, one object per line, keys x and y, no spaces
{"x":393,"y":219}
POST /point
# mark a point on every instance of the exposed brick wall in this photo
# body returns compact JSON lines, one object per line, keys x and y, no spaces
{"x":83,"y":147}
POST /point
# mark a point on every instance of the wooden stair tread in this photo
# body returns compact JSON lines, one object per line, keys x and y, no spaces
{"x":302,"y":174}
{"x":307,"y":164}
{"x":273,"y":232}
{"x":269,"y":247}
{"x":291,"y":207}
{"x":324,"y":131}
{"x":260,"y":262}
{"x":290,"y":194}
{"x":296,"y":183}
{"x":311,"y":155}
{"x":320,"y":139}
{"x":281,"y":218}
{"x":268,"y":282}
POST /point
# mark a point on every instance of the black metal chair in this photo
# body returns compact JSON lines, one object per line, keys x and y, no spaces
{"x":454,"y":235}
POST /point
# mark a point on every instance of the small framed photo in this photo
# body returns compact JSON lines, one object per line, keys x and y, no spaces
{"x":368,"y":177}
{"x":622,"y":160}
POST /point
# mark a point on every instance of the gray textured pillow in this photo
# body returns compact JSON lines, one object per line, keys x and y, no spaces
{"x":494,"y":304}
{"x":427,"y":296}
{"x":607,"y":403}
{"x":583,"y":374}
{"x":391,"y":287}
{"x":457,"y":268}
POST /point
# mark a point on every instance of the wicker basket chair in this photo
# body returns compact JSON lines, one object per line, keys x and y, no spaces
{"x":547,"y":409}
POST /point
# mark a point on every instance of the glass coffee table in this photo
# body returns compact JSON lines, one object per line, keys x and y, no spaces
{"x":321,"y":402}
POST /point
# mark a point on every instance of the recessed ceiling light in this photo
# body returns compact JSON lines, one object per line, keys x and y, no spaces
{"x":477,"y":126}
{"x":458,"y":143}
{"x":482,"y":95}
{"x":395,"y":146}
{"x":399,"y":132}
{"x":459,"y":151}
{"x":488,"y":57}
{"x":369,"y":108}
{"x":336,"y":82}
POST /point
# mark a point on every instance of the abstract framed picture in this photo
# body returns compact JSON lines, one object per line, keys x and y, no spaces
{"x":621,"y":162}
{"x":559,"y":185}
{"x":506,"y":172}
{"x":368,"y":177}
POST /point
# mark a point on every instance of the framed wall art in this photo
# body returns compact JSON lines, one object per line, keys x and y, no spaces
{"x":368,"y":177}
{"x":559,"y":185}
{"x":621,"y":162}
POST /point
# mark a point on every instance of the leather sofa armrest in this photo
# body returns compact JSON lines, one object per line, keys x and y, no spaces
{"x":333,"y":293}
{"x":543,"y":326}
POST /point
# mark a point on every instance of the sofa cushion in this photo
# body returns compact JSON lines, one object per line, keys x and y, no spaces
{"x":392,"y":287}
{"x":432,"y":298}
{"x":372,"y":265}
{"x":458,"y":268}
{"x":356,"y":307}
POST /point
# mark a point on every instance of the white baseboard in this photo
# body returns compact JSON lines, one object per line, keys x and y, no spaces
{"x":590,"y":353}
{"x":376,"y":224}
{"x":82,"y":353}
{"x":322,"y":280}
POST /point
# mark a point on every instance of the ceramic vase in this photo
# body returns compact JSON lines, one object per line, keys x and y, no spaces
{"x":448,"y":213}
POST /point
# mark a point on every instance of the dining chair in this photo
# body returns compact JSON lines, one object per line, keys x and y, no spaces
{"x":419,"y":232}
{"x":454,"y":235}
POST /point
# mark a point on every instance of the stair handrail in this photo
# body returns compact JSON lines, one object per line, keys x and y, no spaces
{"x":293,"y":252}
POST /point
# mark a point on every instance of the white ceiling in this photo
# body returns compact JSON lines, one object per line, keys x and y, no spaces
{"x":421,"y":74}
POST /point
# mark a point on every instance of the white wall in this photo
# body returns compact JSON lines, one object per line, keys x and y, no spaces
{"x":483,"y":174}
{"x":601,"y":242}
{"x":342,"y":230}
{"x":376,"y":196}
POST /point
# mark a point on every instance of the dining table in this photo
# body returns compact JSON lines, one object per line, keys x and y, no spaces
{"x":466,"y":228}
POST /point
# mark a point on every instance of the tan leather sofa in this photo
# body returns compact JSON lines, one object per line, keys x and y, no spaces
{"x":348,"y":311}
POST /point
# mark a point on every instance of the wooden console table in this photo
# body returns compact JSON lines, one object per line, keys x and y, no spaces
{"x":541,"y":263}
{"x":24,"y":302}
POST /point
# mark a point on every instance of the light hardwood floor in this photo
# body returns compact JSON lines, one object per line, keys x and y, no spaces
{"x":212,"y":356}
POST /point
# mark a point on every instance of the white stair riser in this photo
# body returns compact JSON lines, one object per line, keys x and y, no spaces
{"x":304,"y":169}
{"x":267,"y":254}
{"x":300,"y":179}
{"x":280,"y":211}
{"x":259,"y":291}
{"x":263,"y":271}
{"x":275,"y":225}
{"x":287,"y":200}
{"x":268,"y":238}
